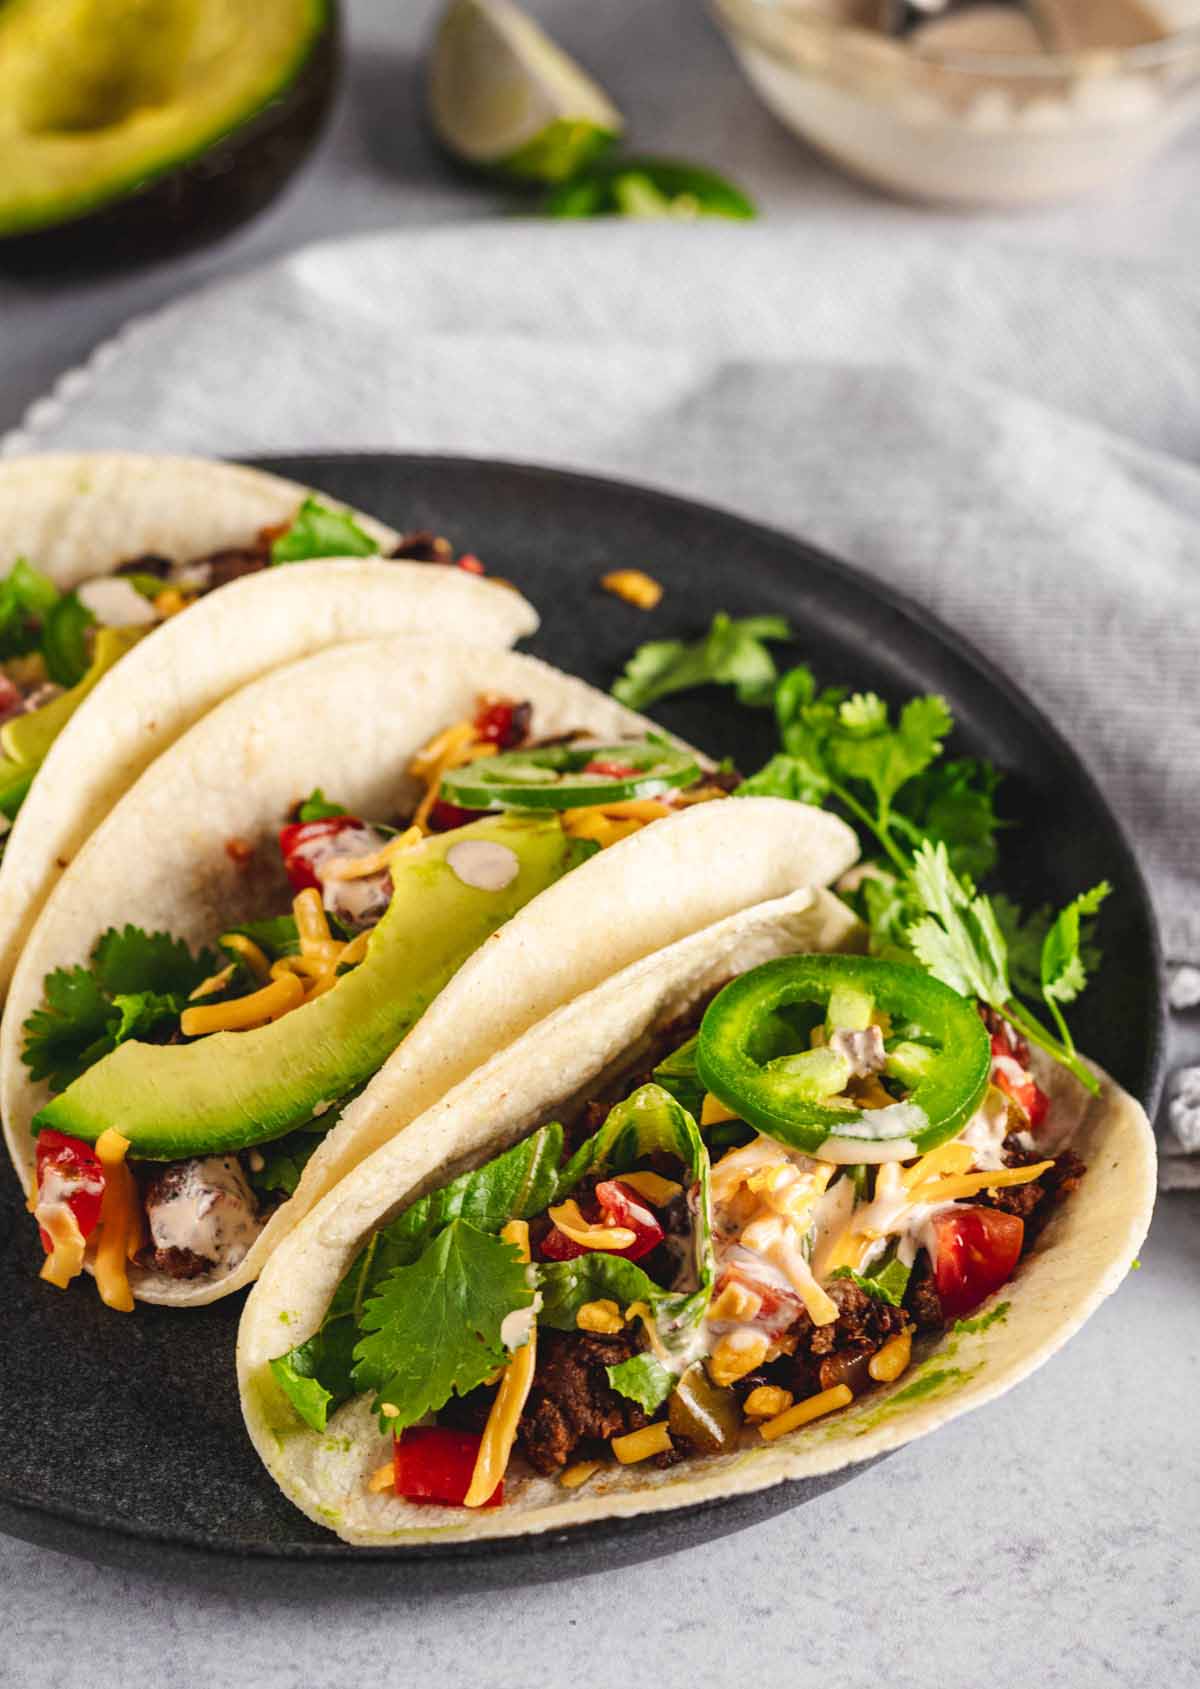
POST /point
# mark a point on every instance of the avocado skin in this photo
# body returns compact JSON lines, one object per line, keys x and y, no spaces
{"x":201,"y":198}
{"x":232,"y":1090}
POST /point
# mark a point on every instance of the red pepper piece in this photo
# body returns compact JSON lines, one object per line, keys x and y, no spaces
{"x":435,"y":1464}
{"x":975,"y":1251}
{"x":305,"y":844}
{"x":503,"y":722}
{"x":445,"y":817}
{"x":614,"y":770}
{"x":1027,"y":1094}
{"x":471,"y":564}
{"x":74,"y":1175}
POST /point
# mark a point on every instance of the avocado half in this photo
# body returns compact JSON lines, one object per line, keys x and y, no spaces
{"x":130,"y":128}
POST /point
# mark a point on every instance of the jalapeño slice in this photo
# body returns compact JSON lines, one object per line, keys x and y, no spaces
{"x":753,"y":1049}
{"x":571,"y":776}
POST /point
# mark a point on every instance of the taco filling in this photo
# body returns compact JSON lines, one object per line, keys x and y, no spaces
{"x":55,"y":646}
{"x":764,"y":1217}
{"x":190,"y":1090}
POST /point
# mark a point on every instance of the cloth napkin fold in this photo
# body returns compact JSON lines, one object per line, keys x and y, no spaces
{"x":1010,"y":435}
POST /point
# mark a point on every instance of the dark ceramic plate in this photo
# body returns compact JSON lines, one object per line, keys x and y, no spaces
{"x":122,"y":1439}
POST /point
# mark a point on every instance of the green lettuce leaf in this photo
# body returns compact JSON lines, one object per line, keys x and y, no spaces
{"x":886,"y":1282}
{"x":316,"y":807}
{"x":643,"y":1379}
{"x":26,"y":599}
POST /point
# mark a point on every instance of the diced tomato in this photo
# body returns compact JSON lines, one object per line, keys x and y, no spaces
{"x":623,"y":1207}
{"x":614,"y":770}
{"x":557,"y":1246}
{"x":620,"y":1206}
{"x":975,"y":1251}
{"x":435,"y":1464}
{"x":471,"y":564}
{"x":69,"y":1171}
{"x":1007,"y":1041}
{"x":1026,"y":1093}
{"x":12,"y":699}
{"x":445,"y":817}
{"x":305,"y":844}
{"x":502,"y":722}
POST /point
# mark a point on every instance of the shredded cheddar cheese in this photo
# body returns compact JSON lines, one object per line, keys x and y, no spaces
{"x":258,"y":1009}
{"x":383,"y":1478}
{"x":643,"y":1444}
{"x":813,"y":1407}
{"x":252,"y":954}
{"x":572,"y":1476}
{"x":635,"y":586}
{"x":450,"y":748}
{"x":656,"y":1190}
{"x":890,"y":1361}
{"x":118,"y":1221}
{"x":500,"y":1432}
{"x":767,"y":1401}
{"x":970,"y":1184}
{"x":65,"y":1260}
{"x":603,"y":1316}
{"x":571,"y":1223}
{"x":362,"y":867}
{"x":736,"y":1355}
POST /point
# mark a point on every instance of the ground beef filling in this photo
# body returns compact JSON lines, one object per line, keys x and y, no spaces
{"x":571,"y":1401}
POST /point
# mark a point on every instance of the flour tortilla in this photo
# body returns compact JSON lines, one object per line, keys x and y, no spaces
{"x":79,"y":516}
{"x":1079,"y":1259}
{"x":348,"y":720}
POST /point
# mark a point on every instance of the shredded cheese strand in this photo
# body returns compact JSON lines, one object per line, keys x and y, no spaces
{"x":362,"y":867}
{"x":243,"y":1013}
{"x":118,"y":1219}
{"x":571,"y":1223}
{"x":500,"y":1432}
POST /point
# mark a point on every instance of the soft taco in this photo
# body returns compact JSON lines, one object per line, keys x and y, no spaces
{"x":347,"y":872}
{"x":753,"y":1209}
{"x":114,"y":637}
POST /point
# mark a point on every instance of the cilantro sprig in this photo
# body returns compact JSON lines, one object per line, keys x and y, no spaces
{"x":317,"y":531}
{"x":932,"y":822}
{"x":136,"y":985}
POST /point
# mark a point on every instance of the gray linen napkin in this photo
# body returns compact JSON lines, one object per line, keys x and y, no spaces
{"x":1011,"y":435}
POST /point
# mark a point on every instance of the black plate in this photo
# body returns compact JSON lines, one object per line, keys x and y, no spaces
{"x":122,"y":1439}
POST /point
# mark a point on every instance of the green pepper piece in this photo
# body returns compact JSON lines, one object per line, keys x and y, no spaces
{"x":737,"y":1058}
{"x":64,"y":640}
{"x":849,"y":1010}
{"x":815,"y":1074}
{"x":556,"y":777}
{"x":703,"y":1412}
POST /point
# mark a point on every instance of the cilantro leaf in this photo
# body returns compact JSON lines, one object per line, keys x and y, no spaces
{"x":285,"y":1159}
{"x":516,"y":1185}
{"x":70,"y":1032}
{"x":126,"y":959}
{"x":26,"y":599}
{"x":318,"y":531}
{"x":644,"y":1379}
{"x":1024,"y":935}
{"x":732,"y":653}
{"x":958,"y":938}
{"x":316,"y":807}
{"x":65,"y":640}
{"x":954,"y":802}
{"x":1063,"y":968}
{"x":786,"y":776}
{"x":277,"y":935}
{"x":433,"y":1330}
{"x":866,"y":748}
{"x":137,"y":984}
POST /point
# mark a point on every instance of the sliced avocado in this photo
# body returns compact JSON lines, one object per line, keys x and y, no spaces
{"x":15,"y":781}
{"x":27,"y":738}
{"x":230,"y":1090}
{"x":197,"y":110}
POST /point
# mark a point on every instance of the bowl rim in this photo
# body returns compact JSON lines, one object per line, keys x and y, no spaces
{"x":1092,"y":63}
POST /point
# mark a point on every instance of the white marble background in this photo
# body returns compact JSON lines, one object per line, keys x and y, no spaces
{"x":1051,"y":1539}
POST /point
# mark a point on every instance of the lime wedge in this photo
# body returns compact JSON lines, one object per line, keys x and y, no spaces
{"x":503,"y":97}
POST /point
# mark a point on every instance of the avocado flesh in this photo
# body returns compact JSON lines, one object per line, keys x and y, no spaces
{"x":230,"y":1090}
{"x":27,"y":739}
{"x":97,"y":97}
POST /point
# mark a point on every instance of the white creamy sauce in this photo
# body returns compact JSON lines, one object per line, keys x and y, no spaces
{"x":483,"y":864}
{"x":357,"y":903}
{"x":986,"y":1130}
{"x":881,"y":1134}
{"x":116,"y":603}
{"x":851,"y":1152}
{"x":210,"y":1213}
{"x":863,"y":1050}
{"x":516,"y":1326}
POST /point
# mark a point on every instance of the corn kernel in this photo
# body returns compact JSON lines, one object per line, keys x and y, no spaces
{"x":634,"y":586}
{"x":812,"y":1407}
{"x":767,"y":1402}
{"x":572,"y":1476}
{"x":734,"y":1357}
{"x":736,"y":1302}
{"x":892,"y":1359}
{"x":603,"y":1316}
{"x":641,"y":1445}
{"x":170,"y":602}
